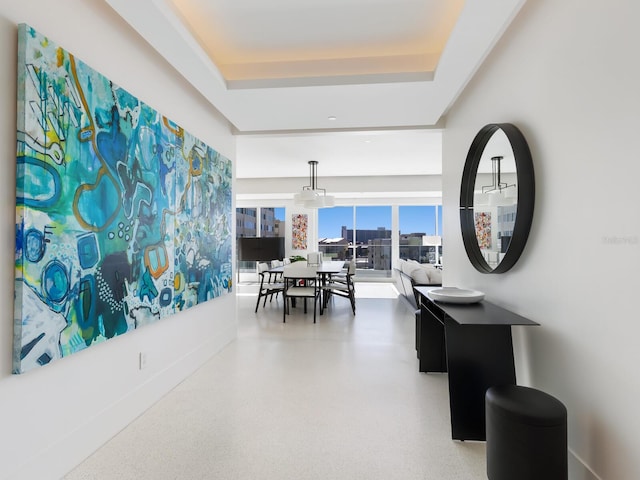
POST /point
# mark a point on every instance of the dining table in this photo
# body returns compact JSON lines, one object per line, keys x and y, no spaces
{"x":306,"y":273}
{"x":328,"y":268}
{"x":324,"y":269}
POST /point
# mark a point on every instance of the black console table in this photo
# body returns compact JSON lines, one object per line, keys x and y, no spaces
{"x":473,"y":344}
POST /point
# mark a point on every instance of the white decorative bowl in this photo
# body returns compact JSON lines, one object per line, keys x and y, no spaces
{"x":455,"y":295}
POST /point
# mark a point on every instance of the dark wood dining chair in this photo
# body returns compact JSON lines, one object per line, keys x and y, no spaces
{"x":267,"y":287}
{"x":342,"y":287}
{"x":301,"y":284}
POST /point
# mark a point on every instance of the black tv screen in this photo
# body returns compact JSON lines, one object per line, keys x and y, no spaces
{"x":260,"y":249}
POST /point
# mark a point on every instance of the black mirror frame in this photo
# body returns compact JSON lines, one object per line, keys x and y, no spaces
{"x":526,"y":197}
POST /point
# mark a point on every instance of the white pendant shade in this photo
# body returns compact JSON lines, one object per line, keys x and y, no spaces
{"x":307,"y":195}
{"x":320,"y":201}
{"x":311,"y":196}
{"x":329,"y":201}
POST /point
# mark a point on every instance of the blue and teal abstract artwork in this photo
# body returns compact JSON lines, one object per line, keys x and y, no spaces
{"x":122,"y":217}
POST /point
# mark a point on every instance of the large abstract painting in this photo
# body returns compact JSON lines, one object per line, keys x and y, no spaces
{"x":122,"y":217}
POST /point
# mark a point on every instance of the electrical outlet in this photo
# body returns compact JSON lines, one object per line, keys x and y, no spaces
{"x":142,"y":360}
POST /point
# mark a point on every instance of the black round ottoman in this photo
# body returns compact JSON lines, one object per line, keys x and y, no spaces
{"x":526,"y":434}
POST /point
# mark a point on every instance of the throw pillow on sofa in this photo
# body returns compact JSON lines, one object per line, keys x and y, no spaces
{"x":420,"y":276}
{"x":435,"y":276}
{"x":408,"y":266}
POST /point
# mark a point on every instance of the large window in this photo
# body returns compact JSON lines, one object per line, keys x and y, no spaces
{"x":360,"y":233}
{"x":373,"y":238}
{"x":335,"y":232}
{"x":420,"y":233}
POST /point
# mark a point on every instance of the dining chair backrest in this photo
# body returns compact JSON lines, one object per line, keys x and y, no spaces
{"x":267,"y":288}
{"x":301,"y":271}
{"x":314,"y":258}
{"x":341,"y":285}
{"x":351,"y":268}
{"x":286,"y":261}
{"x":301,"y":282}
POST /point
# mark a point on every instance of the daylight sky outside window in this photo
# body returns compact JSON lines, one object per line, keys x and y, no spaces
{"x":413,"y":219}
{"x":419,"y":219}
{"x":331,"y":220}
{"x":372,"y":218}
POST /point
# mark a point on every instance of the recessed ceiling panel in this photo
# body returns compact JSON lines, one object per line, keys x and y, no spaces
{"x":307,"y":42}
{"x":285,"y":38}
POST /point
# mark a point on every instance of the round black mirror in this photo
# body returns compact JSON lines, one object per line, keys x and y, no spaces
{"x":496,"y":198}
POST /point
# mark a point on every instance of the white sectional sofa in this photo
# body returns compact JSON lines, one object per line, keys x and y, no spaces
{"x":410,"y":273}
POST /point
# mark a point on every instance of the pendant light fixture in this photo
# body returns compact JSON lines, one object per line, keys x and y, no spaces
{"x":311,"y":195}
{"x":497,"y":185}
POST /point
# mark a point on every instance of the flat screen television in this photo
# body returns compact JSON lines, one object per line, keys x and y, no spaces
{"x":260,"y":249}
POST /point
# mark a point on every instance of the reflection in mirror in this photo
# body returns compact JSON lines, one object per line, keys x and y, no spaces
{"x":495,"y":198}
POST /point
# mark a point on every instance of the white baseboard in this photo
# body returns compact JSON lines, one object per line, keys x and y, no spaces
{"x":579,"y":470}
{"x":65,"y":454}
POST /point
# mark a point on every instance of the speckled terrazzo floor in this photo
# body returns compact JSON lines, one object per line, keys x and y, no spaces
{"x":341,"y":399}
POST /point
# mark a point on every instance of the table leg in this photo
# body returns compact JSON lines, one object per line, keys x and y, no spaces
{"x":478,"y":357}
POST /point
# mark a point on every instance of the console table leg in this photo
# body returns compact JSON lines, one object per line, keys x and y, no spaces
{"x":478,"y":357}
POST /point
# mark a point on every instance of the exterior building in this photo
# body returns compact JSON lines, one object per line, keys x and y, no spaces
{"x":379,"y":254}
{"x":247,"y":222}
{"x":278,"y":228}
{"x":363,"y":236}
{"x":416,"y":246}
{"x":334,"y":248}
{"x":372,"y":247}
{"x":267,"y":222}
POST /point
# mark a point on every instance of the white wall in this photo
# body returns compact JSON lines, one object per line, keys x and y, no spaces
{"x":51,"y":418}
{"x":422,"y":188}
{"x":567,"y":73}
